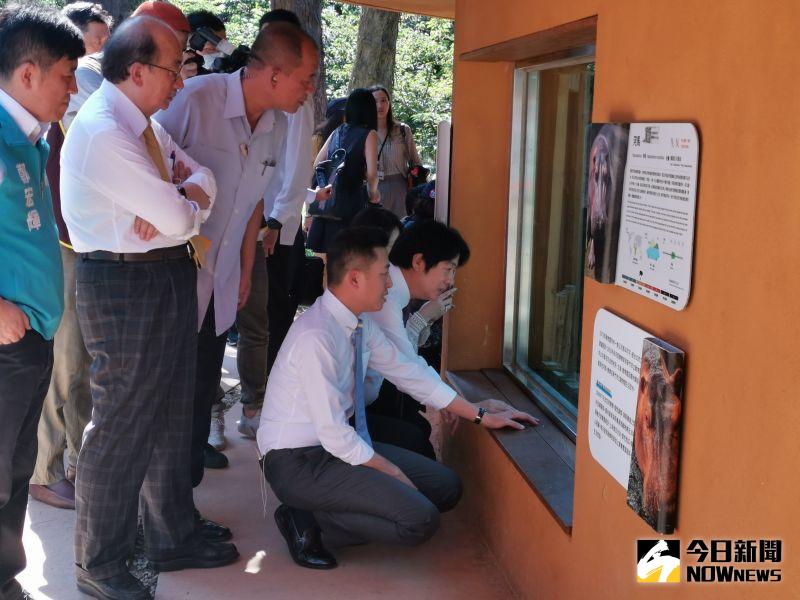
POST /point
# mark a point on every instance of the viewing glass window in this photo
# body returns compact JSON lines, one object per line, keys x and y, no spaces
{"x":544,"y":287}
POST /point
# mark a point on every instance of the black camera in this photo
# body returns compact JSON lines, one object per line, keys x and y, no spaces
{"x":232,"y":60}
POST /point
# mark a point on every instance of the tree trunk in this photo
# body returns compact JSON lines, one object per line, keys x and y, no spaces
{"x":375,"y":53}
{"x":310,"y":15}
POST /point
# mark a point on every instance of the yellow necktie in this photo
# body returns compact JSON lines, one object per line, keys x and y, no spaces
{"x":199,"y":243}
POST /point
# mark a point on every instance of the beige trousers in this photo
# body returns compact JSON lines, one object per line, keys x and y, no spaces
{"x":68,"y":405}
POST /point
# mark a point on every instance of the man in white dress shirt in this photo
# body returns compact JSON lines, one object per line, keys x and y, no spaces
{"x":137,"y":308}
{"x":236,"y":125}
{"x":331,"y":478}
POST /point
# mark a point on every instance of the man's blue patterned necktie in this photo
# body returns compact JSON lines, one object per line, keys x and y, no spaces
{"x":359,"y":405}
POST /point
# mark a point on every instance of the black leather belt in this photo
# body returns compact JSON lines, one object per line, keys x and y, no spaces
{"x":173,"y":253}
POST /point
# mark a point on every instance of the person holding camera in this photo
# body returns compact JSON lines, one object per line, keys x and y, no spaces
{"x":357,"y":141}
{"x":209,"y":22}
{"x":397,"y":154}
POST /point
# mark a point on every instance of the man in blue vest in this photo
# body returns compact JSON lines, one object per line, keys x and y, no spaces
{"x":38,"y":57}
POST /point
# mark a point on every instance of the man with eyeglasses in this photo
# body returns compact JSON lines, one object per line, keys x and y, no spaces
{"x":132,"y":199}
{"x":235,"y":124}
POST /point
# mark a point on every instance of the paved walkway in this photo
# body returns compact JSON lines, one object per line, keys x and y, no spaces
{"x":455,"y":564}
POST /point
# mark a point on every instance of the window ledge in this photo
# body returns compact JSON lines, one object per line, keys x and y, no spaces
{"x":543,"y":455}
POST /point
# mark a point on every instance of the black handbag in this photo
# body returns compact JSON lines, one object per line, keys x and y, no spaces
{"x":327,"y":171}
{"x":344,"y":201}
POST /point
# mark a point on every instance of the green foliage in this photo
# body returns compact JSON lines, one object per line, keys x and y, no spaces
{"x":424,"y":65}
{"x":424,"y":78}
{"x":339,"y":38}
{"x":423,"y":72}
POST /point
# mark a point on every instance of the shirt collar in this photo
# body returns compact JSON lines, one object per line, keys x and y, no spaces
{"x":128,"y":113}
{"x":234,"y":98}
{"x":399,"y":287}
{"x":340,"y":312}
{"x":27,"y":123}
{"x":234,"y":104}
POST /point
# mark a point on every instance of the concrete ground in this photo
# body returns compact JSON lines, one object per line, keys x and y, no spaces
{"x":454,"y":564}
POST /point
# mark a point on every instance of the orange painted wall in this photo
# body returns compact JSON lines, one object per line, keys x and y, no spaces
{"x":732,"y":69}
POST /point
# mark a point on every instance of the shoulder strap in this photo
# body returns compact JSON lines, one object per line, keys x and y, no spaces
{"x":388,"y":133}
{"x":335,"y":141}
{"x":406,"y":142}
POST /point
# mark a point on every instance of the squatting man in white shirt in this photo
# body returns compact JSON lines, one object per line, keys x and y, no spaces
{"x":334,"y":483}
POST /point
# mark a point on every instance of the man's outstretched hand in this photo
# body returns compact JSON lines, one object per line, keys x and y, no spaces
{"x":508,"y":418}
{"x":495,"y":406}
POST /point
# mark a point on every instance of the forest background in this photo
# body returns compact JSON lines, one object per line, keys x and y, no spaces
{"x":410,"y":54}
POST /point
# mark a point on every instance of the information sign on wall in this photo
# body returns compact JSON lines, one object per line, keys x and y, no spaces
{"x":641,"y":193}
{"x":616,"y":360}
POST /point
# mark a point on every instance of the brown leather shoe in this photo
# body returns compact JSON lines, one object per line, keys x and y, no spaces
{"x":60,"y":494}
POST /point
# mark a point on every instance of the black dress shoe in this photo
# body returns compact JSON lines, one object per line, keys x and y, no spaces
{"x":123,"y":586}
{"x":305,"y":546}
{"x":211,"y":531}
{"x":214,"y":459}
{"x":205,"y":555}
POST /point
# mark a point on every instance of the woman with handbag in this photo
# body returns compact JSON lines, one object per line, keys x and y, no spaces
{"x":397,"y":154}
{"x":357,"y":140}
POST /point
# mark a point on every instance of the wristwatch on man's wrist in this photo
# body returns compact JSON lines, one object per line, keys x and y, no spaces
{"x":477,"y":420}
{"x":273,"y":223}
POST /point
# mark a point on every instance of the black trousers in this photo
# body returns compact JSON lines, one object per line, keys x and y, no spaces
{"x":358,"y":504}
{"x":139,"y":323}
{"x":394,"y":418}
{"x":400,"y":433}
{"x":210,"y":354}
{"x":285,"y":273}
{"x":25,"y":368}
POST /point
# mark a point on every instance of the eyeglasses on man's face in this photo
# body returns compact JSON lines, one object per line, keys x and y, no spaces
{"x":175,"y":74}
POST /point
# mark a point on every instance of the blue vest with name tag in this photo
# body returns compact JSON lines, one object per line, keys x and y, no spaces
{"x":30,"y":260}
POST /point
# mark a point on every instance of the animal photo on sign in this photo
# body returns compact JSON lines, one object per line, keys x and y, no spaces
{"x":605,"y":175}
{"x":653,"y":480}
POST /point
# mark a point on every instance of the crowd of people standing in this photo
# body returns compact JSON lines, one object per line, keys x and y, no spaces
{"x":148,"y":204}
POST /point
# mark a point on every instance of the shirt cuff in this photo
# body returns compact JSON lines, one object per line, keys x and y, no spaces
{"x":206,"y":183}
{"x":283,"y":211}
{"x":362,"y":453}
{"x":211,"y":191}
{"x":441,"y":397}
